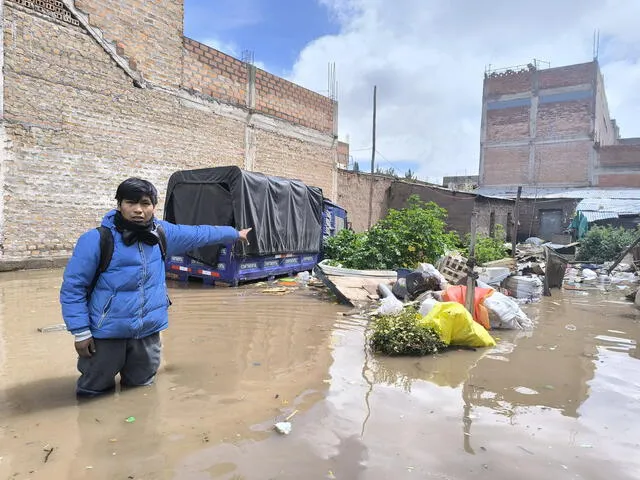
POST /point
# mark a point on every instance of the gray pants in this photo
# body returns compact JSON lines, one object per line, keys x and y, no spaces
{"x":137,"y":362}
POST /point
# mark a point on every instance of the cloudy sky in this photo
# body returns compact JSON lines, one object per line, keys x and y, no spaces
{"x":427,"y":58}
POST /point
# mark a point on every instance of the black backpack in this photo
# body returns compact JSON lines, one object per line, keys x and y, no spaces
{"x":106,"y":250}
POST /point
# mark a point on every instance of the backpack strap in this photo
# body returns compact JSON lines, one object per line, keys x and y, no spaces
{"x":106,"y":252}
{"x":162,"y":236}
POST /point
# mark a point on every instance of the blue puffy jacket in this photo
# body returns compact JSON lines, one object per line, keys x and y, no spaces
{"x":130,"y":298}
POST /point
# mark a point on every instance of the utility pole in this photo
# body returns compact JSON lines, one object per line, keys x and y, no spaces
{"x":471,"y":264}
{"x":516,"y":221}
{"x":373,"y":156}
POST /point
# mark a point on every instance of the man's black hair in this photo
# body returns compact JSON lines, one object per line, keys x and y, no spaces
{"x":136,"y":188}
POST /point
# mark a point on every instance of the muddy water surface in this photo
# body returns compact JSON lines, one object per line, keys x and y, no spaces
{"x":561,"y":402}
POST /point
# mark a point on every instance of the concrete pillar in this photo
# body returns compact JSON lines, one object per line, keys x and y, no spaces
{"x":249,"y":129}
{"x":334,"y":174}
{"x":533,"y":122}
{"x":533,"y":128}
{"x":483,"y":137}
{"x":3,"y":134}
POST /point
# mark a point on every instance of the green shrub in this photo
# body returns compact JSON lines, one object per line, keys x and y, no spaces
{"x":404,"y":238}
{"x":604,"y":244}
{"x":488,"y":249}
{"x":403,"y":335}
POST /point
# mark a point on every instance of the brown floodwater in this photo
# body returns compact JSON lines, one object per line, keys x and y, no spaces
{"x":560,"y":402}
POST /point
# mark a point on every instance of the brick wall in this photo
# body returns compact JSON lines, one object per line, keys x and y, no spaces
{"x":530,"y":214}
{"x":459,"y":205}
{"x":605,"y":131}
{"x":507,"y":83}
{"x":620,"y":156}
{"x":619,"y":166}
{"x":564,"y":163}
{"x":280,"y":98}
{"x":500,"y":209}
{"x":214,"y":73}
{"x":563,"y":100}
{"x":353,"y":196}
{"x":626,"y":180}
{"x":311,"y":163}
{"x":567,"y":76}
{"x":139,"y":28}
{"x":506,"y":166}
{"x":564,"y":118}
{"x":391,"y":193}
{"x":343,"y":155}
{"x":76,"y":127}
{"x":508,"y":124}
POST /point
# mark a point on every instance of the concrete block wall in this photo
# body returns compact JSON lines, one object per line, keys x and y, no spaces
{"x":75,"y":126}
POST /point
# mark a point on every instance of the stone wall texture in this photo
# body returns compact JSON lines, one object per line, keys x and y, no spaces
{"x":75,"y":125}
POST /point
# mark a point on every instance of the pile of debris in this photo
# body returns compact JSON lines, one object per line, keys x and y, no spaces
{"x":434,"y":297}
{"x":422,"y":308}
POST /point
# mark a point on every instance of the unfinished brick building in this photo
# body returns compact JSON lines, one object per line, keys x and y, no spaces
{"x":552,"y":128}
{"x":96,"y":91}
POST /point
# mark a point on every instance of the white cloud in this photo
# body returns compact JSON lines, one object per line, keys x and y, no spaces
{"x":233,"y":49}
{"x":230,"y":48}
{"x":428,"y":58}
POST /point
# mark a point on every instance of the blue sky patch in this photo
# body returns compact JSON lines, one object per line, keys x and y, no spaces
{"x":276,"y":31}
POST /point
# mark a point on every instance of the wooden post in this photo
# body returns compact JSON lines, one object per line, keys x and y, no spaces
{"x":624,"y":253}
{"x":471,"y":263}
{"x":373,"y":156}
{"x":516,"y":221}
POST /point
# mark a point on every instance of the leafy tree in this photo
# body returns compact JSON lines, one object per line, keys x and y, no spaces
{"x":404,"y":238}
{"x":356,"y":166}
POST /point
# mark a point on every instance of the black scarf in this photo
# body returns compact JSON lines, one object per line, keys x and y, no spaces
{"x":136,"y":232}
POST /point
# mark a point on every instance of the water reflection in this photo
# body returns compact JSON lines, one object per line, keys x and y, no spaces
{"x":552,"y":368}
{"x":555,"y":403}
{"x":232,"y":358}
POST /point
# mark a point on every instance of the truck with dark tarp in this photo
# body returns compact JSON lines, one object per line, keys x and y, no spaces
{"x":289,"y":220}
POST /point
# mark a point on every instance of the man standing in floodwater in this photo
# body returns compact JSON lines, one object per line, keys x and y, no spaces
{"x":117,"y":308}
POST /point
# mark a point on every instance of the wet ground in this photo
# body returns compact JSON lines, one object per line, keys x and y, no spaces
{"x":561,"y":402}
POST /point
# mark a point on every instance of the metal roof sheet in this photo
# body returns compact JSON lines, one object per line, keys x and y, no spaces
{"x":612,"y":205}
{"x":594,"y":216}
{"x":555,"y":192}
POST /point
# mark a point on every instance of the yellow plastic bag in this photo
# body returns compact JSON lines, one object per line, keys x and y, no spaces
{"x":456,"y":326}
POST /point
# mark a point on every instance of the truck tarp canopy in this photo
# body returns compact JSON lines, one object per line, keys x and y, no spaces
{"x":286,"y":215}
